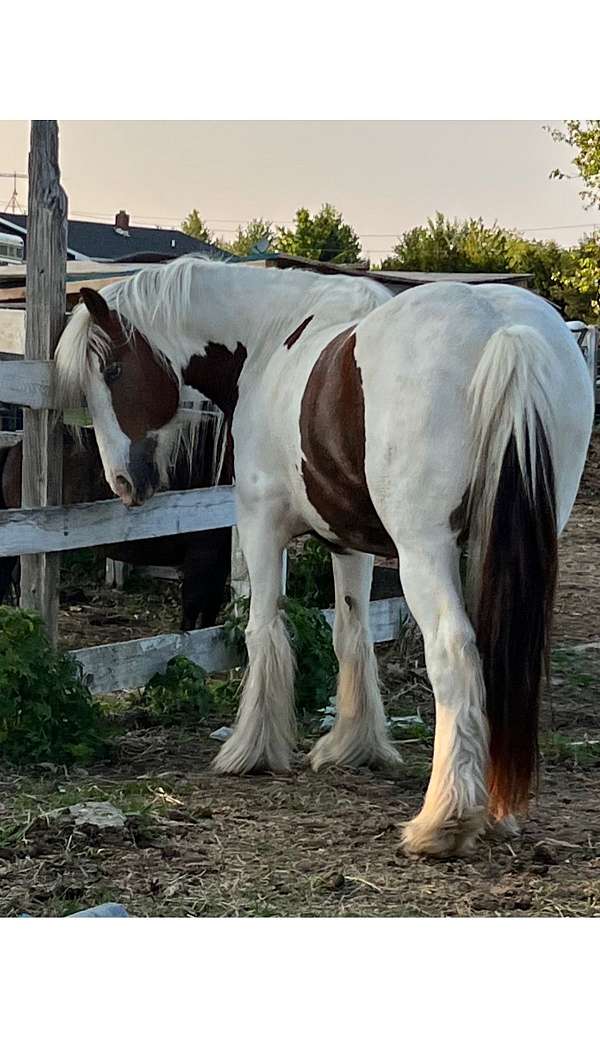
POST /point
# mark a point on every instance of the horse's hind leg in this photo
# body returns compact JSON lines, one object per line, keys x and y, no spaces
{"x":359,"y":736}
{"x":264,"y":732}
{"x":454,"y":813}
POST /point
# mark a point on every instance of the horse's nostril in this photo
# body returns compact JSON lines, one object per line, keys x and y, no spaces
{"x":124,"y":488}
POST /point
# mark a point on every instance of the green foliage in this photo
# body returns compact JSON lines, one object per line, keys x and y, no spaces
{"x":46,"y":711}
{"x":249,"y":235}
{"x":546,"y":260}
{"x":310,"y":576}
{"x":584,"y":138}
{"x":321,"y":237}
{"x":568,"y":277}
{"x":81,"y":567}
{"x":580,"y":280}
{"x":180,"y":693}
{"x":195,"y":226}
{"x":312,"y":641}
{"x":317,"y":666}
{"x":558,"y":749}
{"x":225,"y":694}
{"x":444,"y":245}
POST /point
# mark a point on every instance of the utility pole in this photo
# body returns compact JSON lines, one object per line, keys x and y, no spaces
{"x":13,"y":205}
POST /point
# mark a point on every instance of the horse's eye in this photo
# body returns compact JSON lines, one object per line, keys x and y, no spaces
{"x":111,"y":373}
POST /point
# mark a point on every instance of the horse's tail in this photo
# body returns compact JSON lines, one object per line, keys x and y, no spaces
{"x":512,"y":561}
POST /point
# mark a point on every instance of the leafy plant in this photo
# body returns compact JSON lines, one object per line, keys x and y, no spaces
{"x":46,"y":711}
{"x":322,"y":236}
{"x":180,"y":693}
{"x":312,"y":641}
{"x":310,"y":576}
{"x":559,"y":749}
{"x":584,"y":138}
{"x":194,"y":225}
{"x":248,"y":236}
{"x":225,"y":693}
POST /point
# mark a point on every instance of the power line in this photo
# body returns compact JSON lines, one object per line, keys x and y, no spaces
{"x":13,"y":203}
{"x":559,"y":227}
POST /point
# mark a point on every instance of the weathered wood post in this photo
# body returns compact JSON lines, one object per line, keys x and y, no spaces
{"x":240,"y":584}
{"x":46,"y":308}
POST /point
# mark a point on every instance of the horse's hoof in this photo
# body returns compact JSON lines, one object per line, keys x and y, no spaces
{"x":331,"y":750}
{"x":235,"y":760}
{"x":506,"y":828}
{"x":454,"y":837}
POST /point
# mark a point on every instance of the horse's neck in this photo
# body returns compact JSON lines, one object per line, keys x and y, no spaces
{"x":253,"y":306}
{"x":242,"y":313}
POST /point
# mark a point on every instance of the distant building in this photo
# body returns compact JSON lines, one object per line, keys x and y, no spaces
{"x":90,"y":240}
{"x":11,"y":248}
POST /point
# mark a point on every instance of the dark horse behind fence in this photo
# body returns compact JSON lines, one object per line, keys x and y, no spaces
{"x":203,"y":557}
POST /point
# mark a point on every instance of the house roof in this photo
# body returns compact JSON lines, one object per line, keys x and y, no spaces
{"x":103,"y":242}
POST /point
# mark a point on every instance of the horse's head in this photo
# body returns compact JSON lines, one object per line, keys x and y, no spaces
{"x":132,"y":396}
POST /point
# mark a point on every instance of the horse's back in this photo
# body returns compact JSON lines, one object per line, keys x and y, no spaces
{"x":418,"y":355}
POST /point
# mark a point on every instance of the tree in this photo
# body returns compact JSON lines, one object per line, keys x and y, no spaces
{"x":256,"y":231}
{"x":195,"y":226}
{"x":584,"y":138}
{"x":444,"y":245}
{"x":323,"y":237}
{"x":580,"y":272}
{"x":568,"y":277}
{"x":580,"y":279}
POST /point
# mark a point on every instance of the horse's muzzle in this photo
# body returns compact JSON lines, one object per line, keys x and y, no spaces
{"x":141,"y":479}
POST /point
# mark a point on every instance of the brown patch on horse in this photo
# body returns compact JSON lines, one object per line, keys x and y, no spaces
{"x":295,"y":335}
{"x":215,"y":373}
{"x":143,"y":388}
{"x":332,"y":431}
{"x":335,"y":549}
{"x":514,"y":621}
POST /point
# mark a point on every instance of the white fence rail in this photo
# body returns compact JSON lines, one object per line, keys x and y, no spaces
{"x":119,"y":666}
{"x":27,"y":531}
{"x":26,"y":382}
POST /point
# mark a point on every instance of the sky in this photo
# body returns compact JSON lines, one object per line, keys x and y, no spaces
{"x":385,"y":176}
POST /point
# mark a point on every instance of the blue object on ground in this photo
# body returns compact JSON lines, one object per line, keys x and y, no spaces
{"x":101,"y":911}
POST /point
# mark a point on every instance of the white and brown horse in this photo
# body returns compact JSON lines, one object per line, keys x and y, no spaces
{"x":452,"y":415}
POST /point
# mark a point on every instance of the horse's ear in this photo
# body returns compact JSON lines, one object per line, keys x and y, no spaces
{"x":96,"y":306}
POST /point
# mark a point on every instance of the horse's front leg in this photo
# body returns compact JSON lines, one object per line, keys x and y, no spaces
{"x":265,"y":728}
{"x":359,"y":736}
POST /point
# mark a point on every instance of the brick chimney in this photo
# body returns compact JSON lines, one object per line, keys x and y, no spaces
{"x":122,"y":222}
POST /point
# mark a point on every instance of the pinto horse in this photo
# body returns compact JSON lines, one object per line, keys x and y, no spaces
{"x":450,"y":417}
{"x":203,"y":557}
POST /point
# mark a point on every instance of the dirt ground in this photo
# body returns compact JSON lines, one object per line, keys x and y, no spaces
{"x":305,"y":845}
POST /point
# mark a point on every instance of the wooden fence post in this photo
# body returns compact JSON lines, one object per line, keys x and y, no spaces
{"x":240,"y":584}
{"x":46,"y":308}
